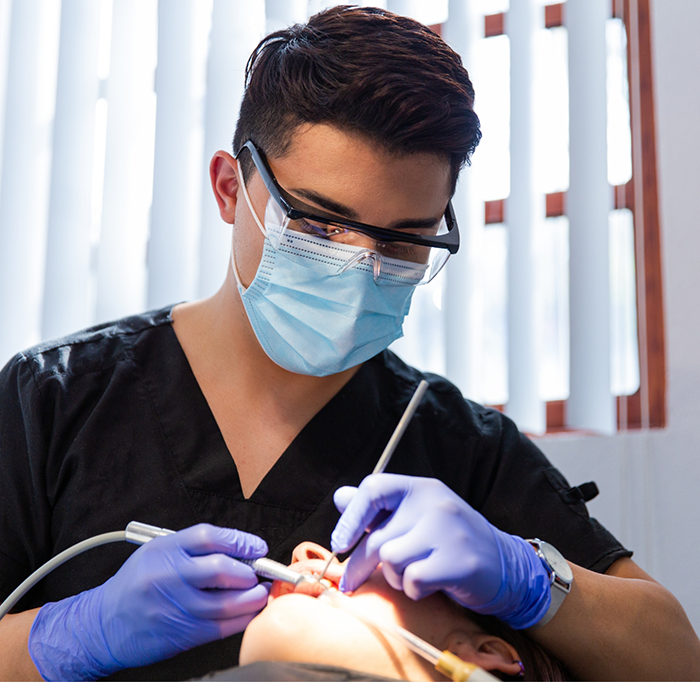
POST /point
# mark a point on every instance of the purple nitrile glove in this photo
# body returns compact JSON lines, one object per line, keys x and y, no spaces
{"x":433,"y":540}
{"x":173,"y":593}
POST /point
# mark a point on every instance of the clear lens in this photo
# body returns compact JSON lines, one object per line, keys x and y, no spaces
{"x":393,"y":263}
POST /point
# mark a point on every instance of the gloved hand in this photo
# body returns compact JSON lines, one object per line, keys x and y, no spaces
{"x":173,"y":593}
{"x":433,"y":540}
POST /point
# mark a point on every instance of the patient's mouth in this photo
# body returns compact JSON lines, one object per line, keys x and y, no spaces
{"x":311,"y":586}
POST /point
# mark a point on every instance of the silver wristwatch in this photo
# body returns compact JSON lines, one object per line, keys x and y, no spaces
{"x":560,"y":576}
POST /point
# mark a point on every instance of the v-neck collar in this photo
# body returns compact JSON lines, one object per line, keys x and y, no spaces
{"x":341,"y":433}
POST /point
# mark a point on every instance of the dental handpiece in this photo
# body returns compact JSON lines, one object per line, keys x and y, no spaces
{"x":274,"y":570}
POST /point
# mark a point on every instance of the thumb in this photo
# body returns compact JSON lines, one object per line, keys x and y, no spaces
{"x":359,"y":567}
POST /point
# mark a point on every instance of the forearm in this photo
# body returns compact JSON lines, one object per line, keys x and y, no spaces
{"x":15,"y":662}
{"x":622,"y":626}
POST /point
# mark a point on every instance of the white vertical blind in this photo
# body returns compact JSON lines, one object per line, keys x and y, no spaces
{"x":178,"y":167}
{"x":237,"y":27}
{"x":591,"y":404}
{"x":525,"y":209}
{"x":463,"y":294}
{"x":128,"y":176}
{"x":282,"y":13}
{"x":433,"y":12}
{"x":68,"y":281}
{"x":26,"y":159}
{"x":5,"y":22}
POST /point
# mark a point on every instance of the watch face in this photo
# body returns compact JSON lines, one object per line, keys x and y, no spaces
{"x":557,"y":561}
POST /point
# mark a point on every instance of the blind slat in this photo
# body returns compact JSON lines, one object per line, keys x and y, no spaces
{"x":589,"y":200}
{"x":525,"y":207}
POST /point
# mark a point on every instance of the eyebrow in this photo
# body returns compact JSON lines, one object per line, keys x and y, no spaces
{"x":343,"y":211}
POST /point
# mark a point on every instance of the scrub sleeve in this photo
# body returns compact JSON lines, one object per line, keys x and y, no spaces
{"x":109,"y":425}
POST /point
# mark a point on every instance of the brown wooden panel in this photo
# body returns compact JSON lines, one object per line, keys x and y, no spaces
{"x":648,"y":232}
{"x":624,"y":196}
{"x":554,"y":15}
{"x":556,"y":204}
{"x":437,"y":28}
{"x":556,"y":415}
{"x":494,"y":25}
{"x":494,"y":211}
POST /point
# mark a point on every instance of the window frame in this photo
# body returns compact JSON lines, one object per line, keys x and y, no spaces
{"x":646,"y":408}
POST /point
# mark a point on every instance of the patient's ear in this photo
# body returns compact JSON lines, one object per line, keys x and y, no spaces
{"x":309,"y":550}
{"x":487,"y":651}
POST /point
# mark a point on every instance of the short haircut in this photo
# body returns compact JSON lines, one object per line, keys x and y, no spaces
{"x":366,"y":71}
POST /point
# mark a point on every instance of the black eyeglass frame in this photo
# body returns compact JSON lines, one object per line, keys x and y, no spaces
{"x":449,"y":241}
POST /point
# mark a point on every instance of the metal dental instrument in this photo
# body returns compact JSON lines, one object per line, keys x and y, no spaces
{"x":445,"y":662}
{"x":274,"y":570}
{"x":383,"y":461}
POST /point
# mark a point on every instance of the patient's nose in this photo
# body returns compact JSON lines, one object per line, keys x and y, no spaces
{"x":309,"y":550}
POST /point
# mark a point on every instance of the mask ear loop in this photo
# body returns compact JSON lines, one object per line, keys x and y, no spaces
{"x":257,"y":222}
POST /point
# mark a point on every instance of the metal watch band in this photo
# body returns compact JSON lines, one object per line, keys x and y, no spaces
{"x":560,"y":577}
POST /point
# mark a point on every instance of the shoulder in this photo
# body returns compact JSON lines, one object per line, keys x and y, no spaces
{"x":89,"y":351}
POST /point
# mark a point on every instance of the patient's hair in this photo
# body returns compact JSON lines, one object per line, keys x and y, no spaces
{"x":364,"y":70}
{"x":538,"y":664}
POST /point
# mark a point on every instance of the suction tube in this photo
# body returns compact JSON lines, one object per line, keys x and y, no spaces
{"x":445,"y":662}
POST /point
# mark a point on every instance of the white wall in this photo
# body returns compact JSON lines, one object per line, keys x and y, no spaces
{"x":650,"y":483}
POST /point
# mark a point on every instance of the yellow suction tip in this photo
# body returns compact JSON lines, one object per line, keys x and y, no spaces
{"x":459,"y":671}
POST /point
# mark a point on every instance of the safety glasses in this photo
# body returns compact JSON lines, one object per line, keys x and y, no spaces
{"x":409,"y":256}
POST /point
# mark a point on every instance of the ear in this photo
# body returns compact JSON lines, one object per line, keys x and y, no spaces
{"x":487,"y":651}
{"x":223,"y":171}
{"x":309,"y":550}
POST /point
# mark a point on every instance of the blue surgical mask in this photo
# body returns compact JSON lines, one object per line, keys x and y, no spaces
{"x":308,"y":318}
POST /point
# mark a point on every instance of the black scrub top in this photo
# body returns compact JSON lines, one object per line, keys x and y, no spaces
{"x":109,"y":426}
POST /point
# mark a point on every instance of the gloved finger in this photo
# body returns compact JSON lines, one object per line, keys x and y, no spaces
{"x":478,"y":579}
{"x":367,"y":555}
{"x":216,"y":571}
{"x":223,"y":604}
{"x":342,"y":497}
{"x":418,"y":580}
{"x":398,"y":555}
{"x":377,"y":492}
{"x":359,"y":566}
{"x":207,"y":539}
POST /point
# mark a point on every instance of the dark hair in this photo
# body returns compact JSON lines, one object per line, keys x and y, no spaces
{"x":537,"y":663}
{"x":364,"y":70}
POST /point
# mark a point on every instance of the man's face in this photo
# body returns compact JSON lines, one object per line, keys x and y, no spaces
{"x":345,"y":175}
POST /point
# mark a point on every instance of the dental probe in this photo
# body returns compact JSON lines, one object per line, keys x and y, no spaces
{"x":383,"y":461}
{"x":445,"y":662}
